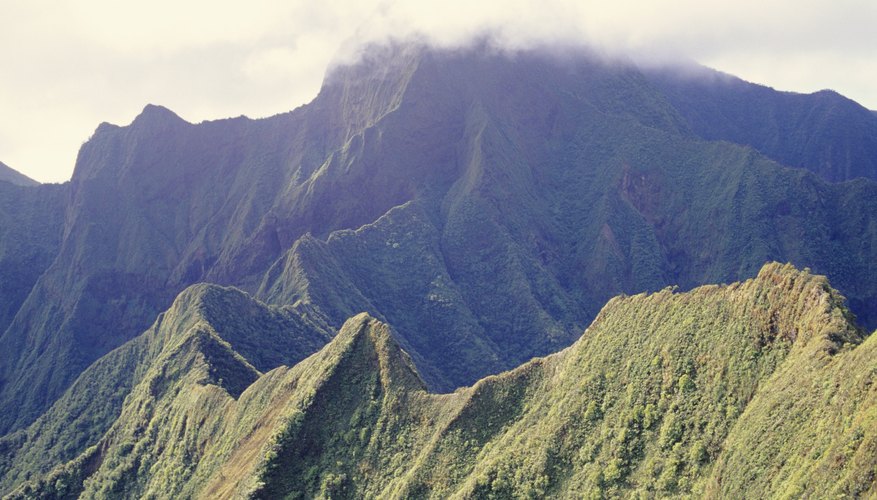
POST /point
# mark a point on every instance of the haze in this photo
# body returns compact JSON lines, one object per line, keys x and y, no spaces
{"x":67,"y":66}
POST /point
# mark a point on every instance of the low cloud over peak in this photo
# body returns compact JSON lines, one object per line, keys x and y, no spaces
{"x":77,"y":65}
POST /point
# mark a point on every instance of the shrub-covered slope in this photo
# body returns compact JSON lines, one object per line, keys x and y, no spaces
{"x":761,"y":388}
{"x":485,"y":206}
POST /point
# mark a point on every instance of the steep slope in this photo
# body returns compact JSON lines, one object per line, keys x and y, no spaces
{"x":660,"y":396}
{"x":8,"y":174}
{"x":31,"y":221}
{"x":204,"y":320}
{"x":823,"y":132}
{"x":179,"y":424}
{"x":485,"y":206}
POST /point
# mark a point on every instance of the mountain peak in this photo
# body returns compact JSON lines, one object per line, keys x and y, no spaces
{"x":155,"y":114}
{"x":365,"y":332}
{"x":231,"y":313}
{"x":102,"y":153}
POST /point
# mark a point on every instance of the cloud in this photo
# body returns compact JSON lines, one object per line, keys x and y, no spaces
{"x":71,"y":65}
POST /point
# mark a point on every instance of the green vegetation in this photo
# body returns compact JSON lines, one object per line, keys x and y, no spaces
{"x":761,"y":388}
{"x":30,"y":234}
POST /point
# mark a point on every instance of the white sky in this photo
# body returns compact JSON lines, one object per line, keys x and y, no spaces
{"x":68,"y":65}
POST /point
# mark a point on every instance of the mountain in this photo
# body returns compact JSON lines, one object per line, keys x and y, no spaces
{"x":484,"y":206}
{"x":11,"y":176}
{"x":749,"y":389}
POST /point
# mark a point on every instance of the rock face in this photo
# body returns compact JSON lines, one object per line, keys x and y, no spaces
{"x":758,"y":388}
{"x":485,"y":207}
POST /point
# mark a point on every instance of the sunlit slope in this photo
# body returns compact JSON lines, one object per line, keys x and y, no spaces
{"x":758,"y":388}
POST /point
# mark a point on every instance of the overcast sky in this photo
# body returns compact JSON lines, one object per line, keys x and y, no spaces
{"x":69,"y":65}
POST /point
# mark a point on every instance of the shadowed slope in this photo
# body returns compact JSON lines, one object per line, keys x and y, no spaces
{"x":11,"y":176}
{"x":824,"y":132}
{"x":558,"y":207}
{"x":30,"y":233}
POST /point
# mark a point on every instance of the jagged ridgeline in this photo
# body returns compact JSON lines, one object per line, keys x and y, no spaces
{"x":486,"y":206}
{"x":757,"y":389}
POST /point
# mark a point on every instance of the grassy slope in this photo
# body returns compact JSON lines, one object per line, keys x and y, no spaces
{"x":645,"y":402}
{"x":642,"y":403}
{"x":821,"y":413}
{"x":757,"y":388}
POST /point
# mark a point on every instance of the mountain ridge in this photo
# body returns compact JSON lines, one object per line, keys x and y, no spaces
{"x":354,"y":420}
{"x":218,"y":322}
{"x":520,"y":202}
